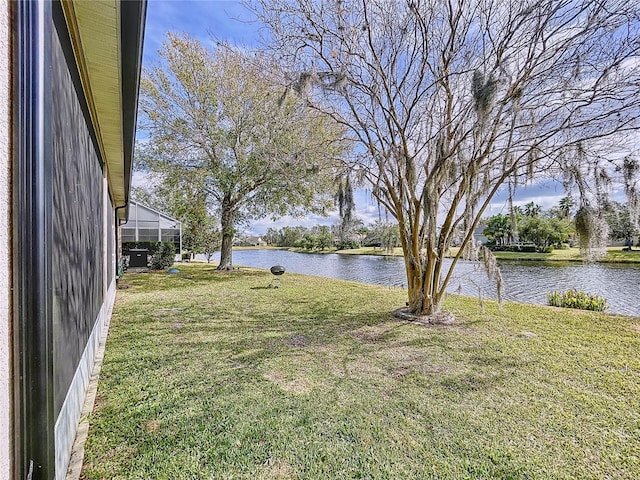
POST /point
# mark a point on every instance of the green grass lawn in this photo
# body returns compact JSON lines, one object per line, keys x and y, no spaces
{"x":614,"y":254}
{"x":211,"y":375}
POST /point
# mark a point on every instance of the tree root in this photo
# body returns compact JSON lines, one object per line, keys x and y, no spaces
{"x":439,"y":318}
{"x":228,"y":268}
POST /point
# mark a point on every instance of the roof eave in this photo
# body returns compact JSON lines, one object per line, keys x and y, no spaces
{"x":107,"y":38}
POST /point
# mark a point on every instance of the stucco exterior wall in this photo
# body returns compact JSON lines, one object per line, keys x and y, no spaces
{"x":5,"y":238}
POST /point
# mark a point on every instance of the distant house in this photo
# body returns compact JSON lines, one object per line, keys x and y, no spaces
{"x":145,"y":224}
{"x":478,"y":234}
{"x":250,"y":242}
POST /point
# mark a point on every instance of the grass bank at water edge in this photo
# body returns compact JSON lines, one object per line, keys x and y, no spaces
{"x":613,"y":255}
{"x":212,"y":375}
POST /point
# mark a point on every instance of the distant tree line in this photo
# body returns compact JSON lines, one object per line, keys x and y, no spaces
{"x":548,"y":229}
{"x":321,"y":237}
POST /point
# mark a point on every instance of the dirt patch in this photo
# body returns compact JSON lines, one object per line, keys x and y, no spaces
{"x":297,"y":386}
{"x":276,"y":469}
{"x":409,"y":359}
{"x":373,"y":334}
{"x":364,"y":367}
{"x":433,"y":369}
{"x":98,"y":403}
{"x":329,"y":359}
{"x":177,"y":326}
{"x":402,"y":354}
{"x":367,"y":337}
{"x":297,"y":341}
{"x":400,"y":372}
{"x":152,"y":425}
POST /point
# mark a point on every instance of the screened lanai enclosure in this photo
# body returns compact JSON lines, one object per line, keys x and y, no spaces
{"x":148,"y":225}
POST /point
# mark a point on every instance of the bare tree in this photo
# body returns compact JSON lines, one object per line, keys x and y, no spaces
{"x":452,"y":100}
{"x":219,"y":118}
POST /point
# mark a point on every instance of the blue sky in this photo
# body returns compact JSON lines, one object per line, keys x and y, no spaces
{"x":224,"y":20}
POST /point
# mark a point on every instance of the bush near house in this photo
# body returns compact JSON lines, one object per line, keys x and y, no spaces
{"x":163,"y":257}
{"x":161,"y":254}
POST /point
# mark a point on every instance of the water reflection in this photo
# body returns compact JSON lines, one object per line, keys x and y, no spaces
{"x":527,"y":282}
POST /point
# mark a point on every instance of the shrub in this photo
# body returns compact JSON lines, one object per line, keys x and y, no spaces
{"x":526,"y":248}
{"x":348,"y":245}
{"x":163,"y":256}
{"x":575,"y":299}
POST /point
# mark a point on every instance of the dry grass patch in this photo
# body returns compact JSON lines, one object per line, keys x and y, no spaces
{"x":152,"y":425}
{"x":297,"y":386}
{"x":276,"y":469}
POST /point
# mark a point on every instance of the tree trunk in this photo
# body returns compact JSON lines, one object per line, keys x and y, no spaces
{"x":226,"y":224}
{"x":422,"y":283}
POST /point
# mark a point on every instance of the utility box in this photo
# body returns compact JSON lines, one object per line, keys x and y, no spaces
{"x":138,"y":257}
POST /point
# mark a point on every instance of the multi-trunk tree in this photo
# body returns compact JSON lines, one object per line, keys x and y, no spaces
{"x":220,"y":116}
{"x":453,"y":100}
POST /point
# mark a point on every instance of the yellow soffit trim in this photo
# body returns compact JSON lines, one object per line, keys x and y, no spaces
{"x":94,"y":29}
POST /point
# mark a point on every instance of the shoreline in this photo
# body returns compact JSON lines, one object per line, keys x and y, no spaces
{"x":615,"y":255}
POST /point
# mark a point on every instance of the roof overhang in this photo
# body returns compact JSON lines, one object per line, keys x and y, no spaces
{"x":106,"y":36}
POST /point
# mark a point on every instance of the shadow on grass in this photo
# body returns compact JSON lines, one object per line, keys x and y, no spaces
{"x":187,"y":278}
{"x":472,"y":383}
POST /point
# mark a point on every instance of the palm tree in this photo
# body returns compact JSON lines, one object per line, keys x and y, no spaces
{"x":532,"y":209}
{"x":499,"y":228}
{"x":564,"y":207}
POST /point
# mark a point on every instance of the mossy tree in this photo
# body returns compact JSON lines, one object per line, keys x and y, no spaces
{"x":453,"y":101}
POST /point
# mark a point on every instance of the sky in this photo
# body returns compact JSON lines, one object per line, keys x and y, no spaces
{"x":229,"y":21}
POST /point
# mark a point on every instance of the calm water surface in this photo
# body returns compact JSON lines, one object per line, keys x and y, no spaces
{"x":527,"y":282}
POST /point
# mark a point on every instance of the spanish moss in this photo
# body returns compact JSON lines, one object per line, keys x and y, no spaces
{"x":593,"y":233}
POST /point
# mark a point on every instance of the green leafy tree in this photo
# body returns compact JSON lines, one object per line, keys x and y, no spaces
{"x":309,"y":241}
{"x":272,"y":237}
{"x":208,"y":241}
{"x":292,"y":236}
{"x":383,"y":234}
{"x":324,"y":236}
{"x":186,"y":201}
{"x":621,"y":226}
{"x":543,"y":231}
{"x":361,"y":232}
{"x":220,"y":116}
{"x":498,"y":229}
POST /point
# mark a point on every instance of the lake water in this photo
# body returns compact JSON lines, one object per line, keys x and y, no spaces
{"x":527,"y":282}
